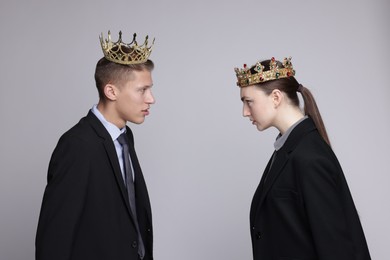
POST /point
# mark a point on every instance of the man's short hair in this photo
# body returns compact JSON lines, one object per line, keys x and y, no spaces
{"x":108,"y":72}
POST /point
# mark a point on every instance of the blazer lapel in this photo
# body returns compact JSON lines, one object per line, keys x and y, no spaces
{"x":112,"y":156}
{"x":260,"y":187}
{"x":142,"y":197}
{"x":274,"y":172}
{"x":282,"y":158}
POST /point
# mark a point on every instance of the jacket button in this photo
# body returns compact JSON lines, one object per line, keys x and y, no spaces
{"x":258,"y":235}
{"x":134,"y":244}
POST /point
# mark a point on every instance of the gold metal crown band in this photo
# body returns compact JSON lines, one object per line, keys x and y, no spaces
{"x":246,"y":78}
{"x":125,"y":53}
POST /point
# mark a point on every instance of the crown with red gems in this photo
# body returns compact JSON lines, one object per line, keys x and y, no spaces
{"x":125,"y":53}
{"x":245,"y":77}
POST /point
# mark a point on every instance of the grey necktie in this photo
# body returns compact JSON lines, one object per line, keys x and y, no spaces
{"x":122,"y":139}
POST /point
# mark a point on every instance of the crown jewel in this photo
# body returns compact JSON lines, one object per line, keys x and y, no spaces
{"x":245,"y":77}
{"x":125,"y":53}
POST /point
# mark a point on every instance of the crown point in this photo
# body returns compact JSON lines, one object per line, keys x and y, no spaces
{"x":246,"y":77}
{"x":114,"y":51}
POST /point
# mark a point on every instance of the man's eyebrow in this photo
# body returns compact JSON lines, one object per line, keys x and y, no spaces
{"x":146,"y":86}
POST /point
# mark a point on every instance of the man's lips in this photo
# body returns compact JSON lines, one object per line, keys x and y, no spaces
{"x":146,"y":111}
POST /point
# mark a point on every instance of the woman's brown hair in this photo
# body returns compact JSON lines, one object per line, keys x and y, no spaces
{"x":290,"y":86}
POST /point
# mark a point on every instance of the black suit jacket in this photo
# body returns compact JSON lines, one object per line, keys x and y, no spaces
{"x":85,"y":211}
{"x":303,"y":208}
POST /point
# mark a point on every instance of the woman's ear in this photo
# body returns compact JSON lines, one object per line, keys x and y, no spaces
{"x":110,"y":91}
{"x":277,"y":97}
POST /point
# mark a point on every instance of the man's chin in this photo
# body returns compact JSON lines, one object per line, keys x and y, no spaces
{"x":137,"y":121}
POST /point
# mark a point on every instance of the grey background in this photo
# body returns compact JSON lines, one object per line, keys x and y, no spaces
{"x":202,"y":160}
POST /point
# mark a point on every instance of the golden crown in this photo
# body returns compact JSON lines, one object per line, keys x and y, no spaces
{"x":246,"y":78}
{"x":125,"y":53}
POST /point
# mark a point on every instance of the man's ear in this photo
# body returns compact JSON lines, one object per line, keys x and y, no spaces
{"x":110,"y":91}
{"x":277,"y":97}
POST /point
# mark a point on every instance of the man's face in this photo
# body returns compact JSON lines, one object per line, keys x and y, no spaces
{"x":135,"y":98}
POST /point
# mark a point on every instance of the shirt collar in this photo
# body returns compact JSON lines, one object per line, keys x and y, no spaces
{"x":281,"y":139}
{"x":112,"y":129}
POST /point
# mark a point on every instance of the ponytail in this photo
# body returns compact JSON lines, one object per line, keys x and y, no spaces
{"x":291,"y":86}
{"x":311,"y":109}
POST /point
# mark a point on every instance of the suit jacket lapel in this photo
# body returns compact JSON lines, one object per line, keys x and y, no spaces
{"x":142,"y":197}
{"x":257,"y":196}
{"x":274,"y":172}
{"x":111,"y":154}
{"x":282,"y":158}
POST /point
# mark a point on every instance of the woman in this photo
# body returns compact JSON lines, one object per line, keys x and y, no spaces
{"x":302,"y":208}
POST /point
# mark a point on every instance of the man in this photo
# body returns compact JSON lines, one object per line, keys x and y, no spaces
{"x":96,"y":205}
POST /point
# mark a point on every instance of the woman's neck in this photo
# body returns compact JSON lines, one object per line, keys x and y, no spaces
{"x":287,"y":118}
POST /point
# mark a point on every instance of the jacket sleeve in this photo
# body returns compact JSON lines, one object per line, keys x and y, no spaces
{"x":330,"y":209}
{"x":63,"y":200}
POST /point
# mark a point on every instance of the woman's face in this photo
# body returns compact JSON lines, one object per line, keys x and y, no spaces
{"x":258,"y":106}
